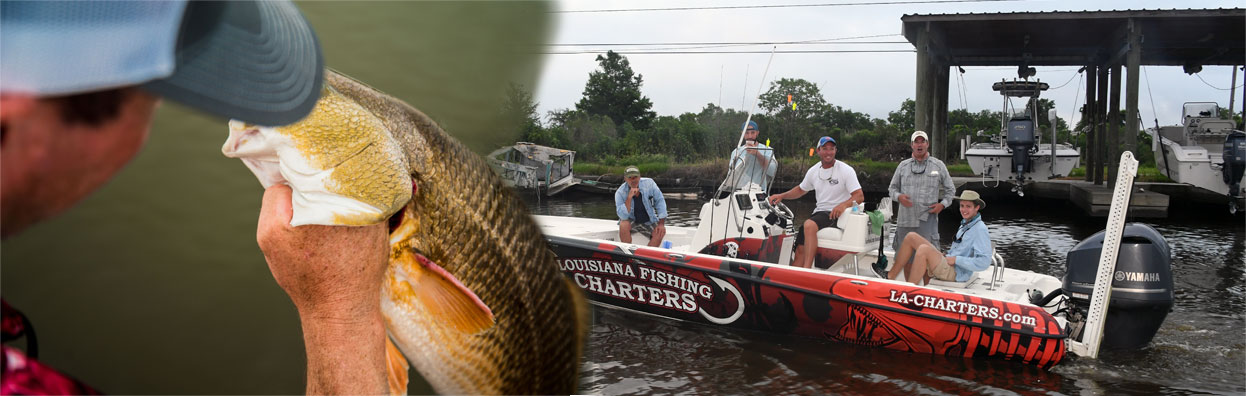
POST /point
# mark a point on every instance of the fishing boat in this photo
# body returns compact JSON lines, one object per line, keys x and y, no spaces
{"x":1205,"y":151}
{"x":1015,"y":154}
{"x":532,"y":166}
{"x":730,"y":270}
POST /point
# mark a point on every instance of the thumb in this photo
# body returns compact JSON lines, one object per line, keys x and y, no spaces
{"x":276,"y":210}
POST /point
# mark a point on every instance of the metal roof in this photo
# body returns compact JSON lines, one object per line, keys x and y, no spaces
{"x":1061,"y":38}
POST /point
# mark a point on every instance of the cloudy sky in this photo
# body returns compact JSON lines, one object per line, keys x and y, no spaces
{"x":869,"y":82}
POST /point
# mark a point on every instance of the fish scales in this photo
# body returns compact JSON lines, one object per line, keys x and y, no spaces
{"x":466,"y":221}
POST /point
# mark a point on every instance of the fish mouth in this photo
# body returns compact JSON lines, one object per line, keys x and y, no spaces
{"x":240,"y":134}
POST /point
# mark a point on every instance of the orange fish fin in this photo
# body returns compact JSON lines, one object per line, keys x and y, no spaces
{"x":396,"y":368}
{"x":446,"y":298}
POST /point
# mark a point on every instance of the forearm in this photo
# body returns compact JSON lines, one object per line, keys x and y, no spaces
{"x":858,"y":196}
{"x":345,"y":355}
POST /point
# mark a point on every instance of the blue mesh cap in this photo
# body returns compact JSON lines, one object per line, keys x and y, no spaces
{"x":750,"y":124}
{"x":257,"y":61}
{"x":824,"y":140}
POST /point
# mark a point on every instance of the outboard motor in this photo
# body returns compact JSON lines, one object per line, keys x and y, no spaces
{"x":1234,"y":162}
{"x":1142,"y":291}
{"x":1020,"y":140}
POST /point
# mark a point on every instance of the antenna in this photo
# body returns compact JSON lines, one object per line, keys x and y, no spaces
{"x":720,"y":85}
{"x":744,"y":92}
{"x":744,"y":128}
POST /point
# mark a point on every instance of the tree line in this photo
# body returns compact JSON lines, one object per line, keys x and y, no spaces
{"x":614,"y":121}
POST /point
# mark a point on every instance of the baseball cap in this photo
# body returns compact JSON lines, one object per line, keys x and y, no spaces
{"x":256,"y":61}
{"x":750,"y":125}
{"x":631,"y":171}
{"x":918,"y":134}
{"x":824,"y":140}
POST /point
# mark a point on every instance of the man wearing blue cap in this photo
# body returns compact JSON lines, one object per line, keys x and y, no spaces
{"x":836,"y":188}
{"x":752,"y":162}
{"x":79,"y":83}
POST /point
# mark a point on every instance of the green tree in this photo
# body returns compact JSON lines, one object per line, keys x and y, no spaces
{"x":519,"y":117}
{"x":722,"y":129}
{"x":793,"y":130}
{"x":903,"y":119}
{"x":591,"y":136}
{"x":614,"y":92}
{"x":1044,"y":125}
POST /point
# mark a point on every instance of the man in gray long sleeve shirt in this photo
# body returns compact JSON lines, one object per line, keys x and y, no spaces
{"x":924,"y":188}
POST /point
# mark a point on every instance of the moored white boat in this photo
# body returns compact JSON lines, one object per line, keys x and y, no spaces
{"x":1195,"y":152}
{"x":1015,"y":155}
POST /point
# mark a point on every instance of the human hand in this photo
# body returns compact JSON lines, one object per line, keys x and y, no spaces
{"x":951,"y":260}
{"x":333,"y":276}
{"x":839,"y":210}
{"x":331,"y":272}
{"x":936,"y":208}
{"x":905,"y":200}
{"x":774,"y":199}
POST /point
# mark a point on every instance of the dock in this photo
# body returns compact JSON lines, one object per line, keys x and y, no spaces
{"x":1094,"y":200}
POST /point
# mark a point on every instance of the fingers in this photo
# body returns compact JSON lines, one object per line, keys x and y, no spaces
{"x":275,"y":212}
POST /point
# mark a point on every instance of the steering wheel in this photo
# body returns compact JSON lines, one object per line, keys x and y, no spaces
{"x":783,"y":211}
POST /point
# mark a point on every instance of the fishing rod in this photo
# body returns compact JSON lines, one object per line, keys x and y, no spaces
{"x":749,"y":118}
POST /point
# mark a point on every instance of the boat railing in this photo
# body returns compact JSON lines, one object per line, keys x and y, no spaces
{"x":997,"y":269}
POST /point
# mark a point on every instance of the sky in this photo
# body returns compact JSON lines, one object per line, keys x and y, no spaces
{"x":874,"y":83}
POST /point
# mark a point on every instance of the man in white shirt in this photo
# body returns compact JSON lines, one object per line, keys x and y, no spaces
{"x":837,"y":189}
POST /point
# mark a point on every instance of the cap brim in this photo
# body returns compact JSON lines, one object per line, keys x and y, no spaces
{"x":260,"y":63}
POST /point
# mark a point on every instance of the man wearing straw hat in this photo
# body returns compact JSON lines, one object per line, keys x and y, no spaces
{"x":970,"y":251}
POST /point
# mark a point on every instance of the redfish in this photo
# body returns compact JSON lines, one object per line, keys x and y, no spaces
{"x":472,"y":296}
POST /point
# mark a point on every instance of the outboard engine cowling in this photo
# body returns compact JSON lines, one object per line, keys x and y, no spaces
{"x":1234,"y":161}
{"x":1142,"y":291}
{"x":1020,"y":140}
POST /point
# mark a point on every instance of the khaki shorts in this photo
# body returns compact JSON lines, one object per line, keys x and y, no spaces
{"x":942,"y":271}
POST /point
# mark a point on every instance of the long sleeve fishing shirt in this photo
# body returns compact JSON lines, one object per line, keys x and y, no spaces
{"x":655,"y":203}
{"x":972,"y":248}
{"x":926,"y":183}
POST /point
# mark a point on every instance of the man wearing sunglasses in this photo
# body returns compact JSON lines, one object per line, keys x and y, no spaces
{"x":923,"y":187}
{"x":836,"y":188}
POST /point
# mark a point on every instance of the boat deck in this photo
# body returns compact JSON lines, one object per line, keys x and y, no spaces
{"x":1008,"y":285}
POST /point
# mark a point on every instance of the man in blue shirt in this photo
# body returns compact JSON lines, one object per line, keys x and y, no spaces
{"x":756,"y":161}
{"x":970,"y":251}
{"x":641,"y":208}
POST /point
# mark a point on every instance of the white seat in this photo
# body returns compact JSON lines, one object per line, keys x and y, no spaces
{"x":830,"y":234}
